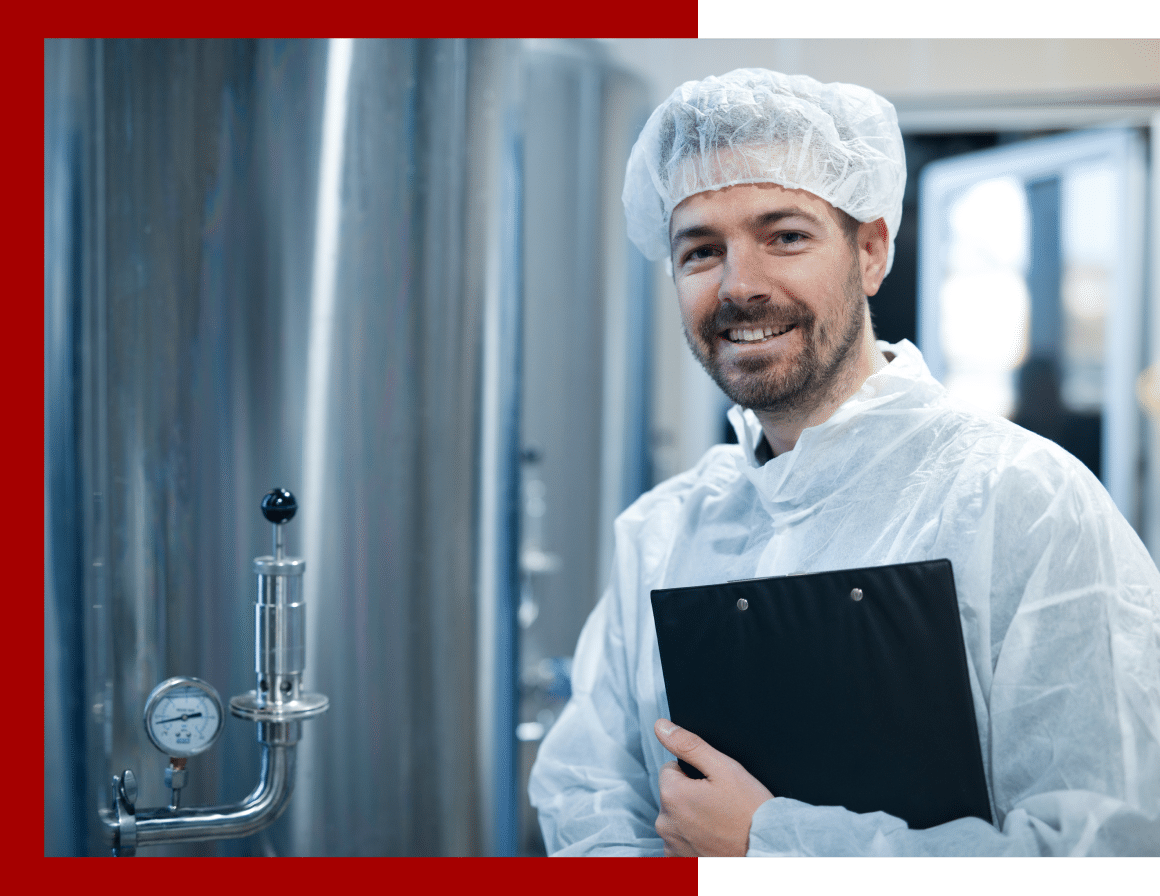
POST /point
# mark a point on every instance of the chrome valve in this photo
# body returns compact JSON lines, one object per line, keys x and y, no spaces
{"x":183,"y":717}
{"x":279,"y":631}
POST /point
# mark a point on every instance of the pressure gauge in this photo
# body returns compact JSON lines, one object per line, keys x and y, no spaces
{"x":183,"y":716}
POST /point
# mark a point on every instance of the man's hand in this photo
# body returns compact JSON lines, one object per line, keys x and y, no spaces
{"x":707,"y":816}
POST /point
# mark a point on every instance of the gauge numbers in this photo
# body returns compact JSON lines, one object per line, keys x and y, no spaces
{"x":183,"y":716}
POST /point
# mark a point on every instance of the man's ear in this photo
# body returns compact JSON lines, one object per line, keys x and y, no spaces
{"x":873,"y":250}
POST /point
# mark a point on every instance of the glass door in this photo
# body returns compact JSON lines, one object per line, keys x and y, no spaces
{"x":1031,"y":292}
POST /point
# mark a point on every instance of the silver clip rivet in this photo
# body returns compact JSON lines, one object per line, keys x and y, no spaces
{"x":856,"y":594}
{"x":742,"y":603}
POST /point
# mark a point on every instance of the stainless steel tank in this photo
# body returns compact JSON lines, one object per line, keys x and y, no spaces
{"x":321,"y":265}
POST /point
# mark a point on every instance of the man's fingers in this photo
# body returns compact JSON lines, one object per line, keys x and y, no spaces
{"x":675,"y":844}
{"x":670,"y":774}
{"x":686,"y":745}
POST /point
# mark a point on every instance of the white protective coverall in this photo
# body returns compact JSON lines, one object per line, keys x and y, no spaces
{"x":1058,"y":598}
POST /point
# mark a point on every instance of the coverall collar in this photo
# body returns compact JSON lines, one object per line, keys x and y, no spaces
{"x":800,"y":478}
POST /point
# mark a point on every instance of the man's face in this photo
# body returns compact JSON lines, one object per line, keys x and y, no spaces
{"x":771,"y":294}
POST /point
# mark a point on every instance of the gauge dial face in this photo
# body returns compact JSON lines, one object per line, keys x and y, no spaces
{"x":183,"y":716}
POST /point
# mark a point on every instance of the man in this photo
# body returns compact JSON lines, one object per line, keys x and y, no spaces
{"x":776,"y":200}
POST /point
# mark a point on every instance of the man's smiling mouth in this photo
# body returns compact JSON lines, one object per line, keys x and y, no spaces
{"x":744,"y":336}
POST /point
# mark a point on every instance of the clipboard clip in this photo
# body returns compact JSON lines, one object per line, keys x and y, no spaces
{"x":764,"y":578}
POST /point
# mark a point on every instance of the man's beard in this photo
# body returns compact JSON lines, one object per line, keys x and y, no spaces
{"x":809,"y":379}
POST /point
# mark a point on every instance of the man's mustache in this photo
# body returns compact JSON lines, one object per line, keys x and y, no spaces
{"x":730,"y":316}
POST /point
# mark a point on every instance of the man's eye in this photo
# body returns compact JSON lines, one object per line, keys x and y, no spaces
{"x":789,"y":238}
{"x":700,"y":253}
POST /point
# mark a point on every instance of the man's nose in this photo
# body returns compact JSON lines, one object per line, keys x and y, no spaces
{"x":742,"y":279}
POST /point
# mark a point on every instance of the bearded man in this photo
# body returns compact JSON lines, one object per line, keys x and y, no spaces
{"x":776,"y":201}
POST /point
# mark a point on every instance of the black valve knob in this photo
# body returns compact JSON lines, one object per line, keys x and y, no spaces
{"x":279,"y":506}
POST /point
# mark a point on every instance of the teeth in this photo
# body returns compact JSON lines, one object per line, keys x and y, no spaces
{"x":755,"y":335}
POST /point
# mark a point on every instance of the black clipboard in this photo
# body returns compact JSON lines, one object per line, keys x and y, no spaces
{"x":845,"y":688}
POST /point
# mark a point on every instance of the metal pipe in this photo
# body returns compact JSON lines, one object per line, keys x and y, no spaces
{"x":258,"y":810}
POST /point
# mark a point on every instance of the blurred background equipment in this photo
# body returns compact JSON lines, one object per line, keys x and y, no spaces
{"x":366,"y":270}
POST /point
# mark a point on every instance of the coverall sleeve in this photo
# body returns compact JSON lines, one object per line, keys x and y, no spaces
{"x":594,"y":781}
{"x":590,"y":782}
{"x":1072,"y":721}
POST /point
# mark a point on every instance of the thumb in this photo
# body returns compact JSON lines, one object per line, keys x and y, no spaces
{"x":686,"y":745}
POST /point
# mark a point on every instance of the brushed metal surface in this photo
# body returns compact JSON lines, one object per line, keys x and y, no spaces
{"x":265,"y":268}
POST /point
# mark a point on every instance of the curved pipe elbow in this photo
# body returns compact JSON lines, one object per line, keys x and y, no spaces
{"x":258,"y":810}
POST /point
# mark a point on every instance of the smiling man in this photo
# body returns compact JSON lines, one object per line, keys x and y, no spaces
{"x":772,"y":285}
{"x":776,"y":201}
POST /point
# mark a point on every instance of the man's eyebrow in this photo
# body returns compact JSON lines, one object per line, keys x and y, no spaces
{"x":792,"y":212}
{"x":694,"y":232}
{"x":697,"y":231}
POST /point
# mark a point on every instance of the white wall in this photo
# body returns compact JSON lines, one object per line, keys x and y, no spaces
{"x":924,"y":74}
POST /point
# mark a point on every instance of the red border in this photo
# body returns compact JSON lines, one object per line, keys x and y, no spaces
{"x":24,"y":447}
{"x":674,"y":18}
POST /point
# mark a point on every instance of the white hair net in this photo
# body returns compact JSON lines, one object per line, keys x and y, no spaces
{"x":838,"y":141}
